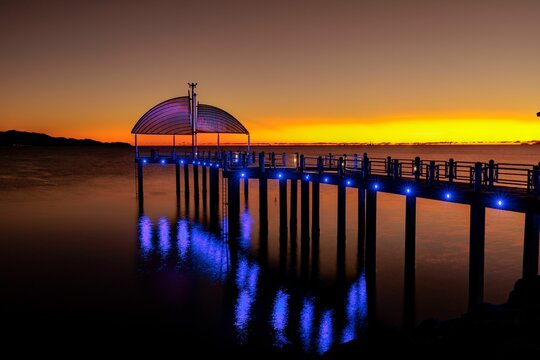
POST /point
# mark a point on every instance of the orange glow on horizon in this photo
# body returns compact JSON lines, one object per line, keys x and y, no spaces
{"x":411,"y":130}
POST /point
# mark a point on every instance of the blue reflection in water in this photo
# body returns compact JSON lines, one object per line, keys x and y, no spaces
{"x":246,"y":280}
{"x":306,"y":322}
{"x":183,"y":239}
{"x":280,"y":316}
{"x":145,"y":235}
{"x":211,"y":254}
{"x":325,"y":332}
{"x":356,"y":309}
{"x":164,"y":236}
{"x":246,"y":223}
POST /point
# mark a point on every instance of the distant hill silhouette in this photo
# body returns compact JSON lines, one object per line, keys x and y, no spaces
{"x":23,"y":138}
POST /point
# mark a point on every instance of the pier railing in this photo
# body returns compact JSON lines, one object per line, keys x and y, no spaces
{"x":476,"y":174}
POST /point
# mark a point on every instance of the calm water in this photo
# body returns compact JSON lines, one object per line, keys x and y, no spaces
{"x":76,"y":256}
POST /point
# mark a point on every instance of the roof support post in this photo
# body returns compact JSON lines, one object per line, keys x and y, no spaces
{"x":249,"y":144}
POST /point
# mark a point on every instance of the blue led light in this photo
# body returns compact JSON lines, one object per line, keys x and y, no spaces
{"x":204,"y":163}
{"x":408,"y":190}
{"x":349,"y":182}
{"x":144,"y":161}
{"x":181,"y":161}
{"x":500,"y":202}
{"x":243,"y":174}
{"x":325,"y":179}
{"x":280,"y":175}
{"x":163,"y":161}
{"x":307,"y":177}
{"x":375,"y":186}
{"x":447,"y":196}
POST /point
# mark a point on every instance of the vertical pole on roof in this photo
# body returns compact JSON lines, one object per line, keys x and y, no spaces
{"x":249,"y":144}
{"x":136,"y":148}
{"x":193,"y":119}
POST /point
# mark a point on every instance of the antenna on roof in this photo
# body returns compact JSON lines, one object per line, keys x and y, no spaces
{"x":193,"y":116}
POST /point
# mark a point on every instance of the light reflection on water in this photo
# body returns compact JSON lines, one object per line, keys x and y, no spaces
{"x":280,"y":316}
{"x":326,"y":332}
{"x":307,"y":315}
{"x":145,"y":235}
{"x":209,"y":253}
{"x":247,"y":276}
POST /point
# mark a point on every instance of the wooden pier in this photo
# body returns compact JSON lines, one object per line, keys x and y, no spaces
{"x":514,"y":187}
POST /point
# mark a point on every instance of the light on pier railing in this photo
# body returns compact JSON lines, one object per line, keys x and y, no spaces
{"x":144,"y":161}
{"x":243,"y":174}
{"x":447,"y":196}
{"x":280,"y":175}
{"x":408,"y":190}
{"x":307,"y":177}
{"x":204,"y":163}
{"x":376,"y":186}
{"x":499,"y":202}
{"x":181,"y":161}
{"x":163,"y":161}
{"x":325,"y":179}
{"x":349,"y":182}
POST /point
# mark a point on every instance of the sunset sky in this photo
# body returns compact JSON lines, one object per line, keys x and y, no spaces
{"x":290,"y":71}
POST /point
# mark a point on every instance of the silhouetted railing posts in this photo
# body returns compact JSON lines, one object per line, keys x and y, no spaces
{"x":261,"y":162}
{"x":365,"y":166}
{"x":431,"y":172}
{"x":451,"y":171}
{"x":395,"y":172}
{"x":320,"y":165}
{"x":476,"y":253}
{"x":417,"y":169}
{"x":491,"y":173}
{"x":340,"y":167}
{"x":355,"y":162}
{"x":536,"y":180}
{"x":284,"y":159}
{"x":302,"y":163}
{"x":273,"y":159}
{"x":530,"y":245}
{"x":477,"y":176}
{"x":225,"y":162}
{"x":389,"y":166}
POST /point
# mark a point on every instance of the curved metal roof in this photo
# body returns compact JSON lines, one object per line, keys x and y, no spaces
{"x":211,"y":119}
{"x":171,"y":117}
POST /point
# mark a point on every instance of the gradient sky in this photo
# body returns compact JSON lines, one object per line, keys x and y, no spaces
{"x":290,"y":71}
